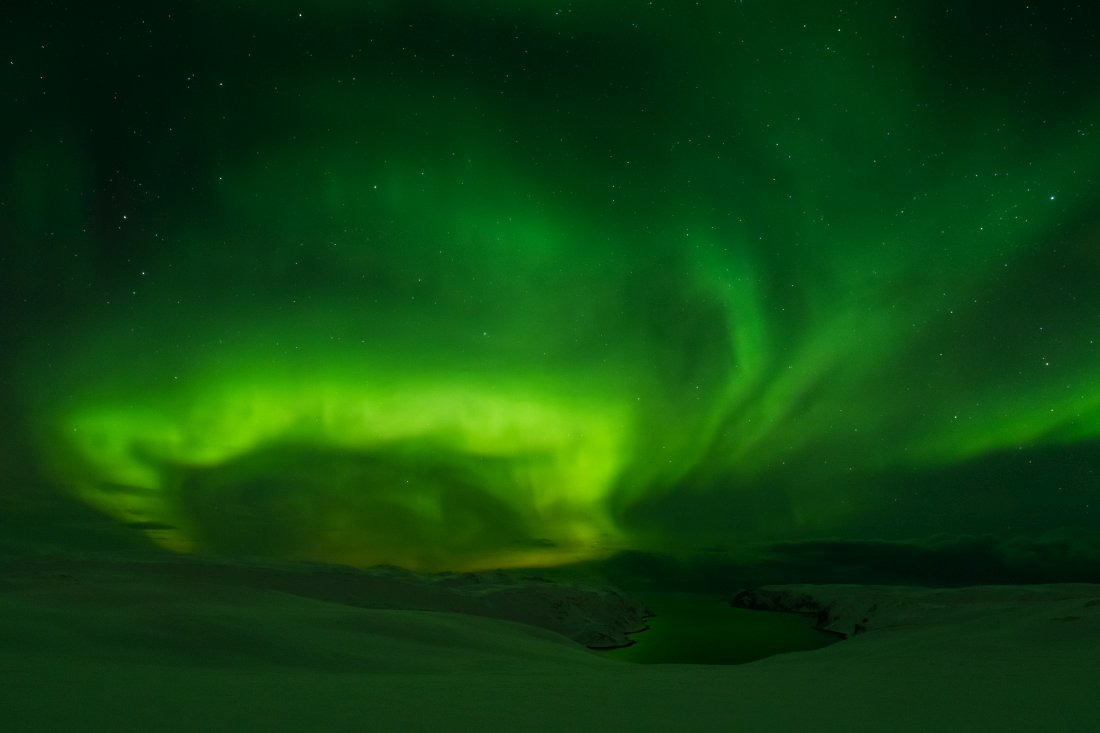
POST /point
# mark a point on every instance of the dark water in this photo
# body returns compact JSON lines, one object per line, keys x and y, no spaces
{"x":693,"y":629}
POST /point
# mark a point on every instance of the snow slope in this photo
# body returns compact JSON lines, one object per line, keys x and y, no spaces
{"x":92,"y":645}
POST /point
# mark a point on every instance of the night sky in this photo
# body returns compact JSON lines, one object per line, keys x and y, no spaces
{"x":462,"y":285}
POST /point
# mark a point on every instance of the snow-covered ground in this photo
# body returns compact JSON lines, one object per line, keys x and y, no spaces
{"x":88,"y":645}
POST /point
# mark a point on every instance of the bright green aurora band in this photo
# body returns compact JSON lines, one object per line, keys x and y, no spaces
{"x":524,"y":283}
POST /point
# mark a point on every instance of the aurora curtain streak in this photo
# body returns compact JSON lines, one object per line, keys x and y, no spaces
{"x":503,"y":286}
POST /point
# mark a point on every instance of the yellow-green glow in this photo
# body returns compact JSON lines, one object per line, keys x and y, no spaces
{"x":554,"y":462}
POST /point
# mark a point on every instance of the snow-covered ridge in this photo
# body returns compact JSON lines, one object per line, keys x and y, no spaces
{"x":598,"y":617}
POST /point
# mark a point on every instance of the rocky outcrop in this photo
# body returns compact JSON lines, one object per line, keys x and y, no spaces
{"x":771,"y":599}
{"x":858,"y":609}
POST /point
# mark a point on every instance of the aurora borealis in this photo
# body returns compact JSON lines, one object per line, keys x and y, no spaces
{"x":500,"y":283}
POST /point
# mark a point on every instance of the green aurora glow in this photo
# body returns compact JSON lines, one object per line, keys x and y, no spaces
{"x":500,"y":286}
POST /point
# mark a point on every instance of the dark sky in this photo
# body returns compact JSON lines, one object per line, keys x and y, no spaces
{"x":492,"y":283}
